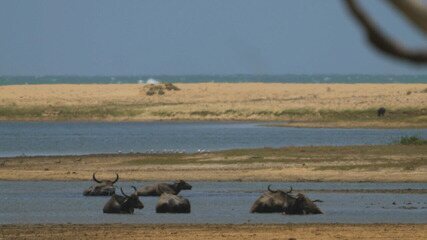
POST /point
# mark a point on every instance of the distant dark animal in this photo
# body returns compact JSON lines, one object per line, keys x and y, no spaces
{"x":123,"y":204}
{"x":381,"y":112}
{"x":281,"y":201}
{"x":102,"y":187}
{"x":159,"y":188}
{"x":169,"y":203}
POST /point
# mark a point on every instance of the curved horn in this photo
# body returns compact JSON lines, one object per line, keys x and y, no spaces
{"x":290,"y":190}
{"x":124,"y":194}
{"x":94,"y":178}
{"x":134,"y":188}
{"x":117,"y":178}
{"x":269,"y":189}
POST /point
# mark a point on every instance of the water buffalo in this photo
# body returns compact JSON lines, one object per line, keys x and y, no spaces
{"x":123,"y":204}
{"x":281,"y":201}
{"x":159,"y":188}
{"x":101,"y":188}
{"x":169,"y":203}
{"x":381,"y":112}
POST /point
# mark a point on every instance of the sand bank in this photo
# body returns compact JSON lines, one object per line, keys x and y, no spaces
{"x":317,"y":105}
{"x":388,"y":163}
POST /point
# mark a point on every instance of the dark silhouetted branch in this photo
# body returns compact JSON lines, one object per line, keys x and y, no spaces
{"x":414,"y":11}
{"x":382,"y":42}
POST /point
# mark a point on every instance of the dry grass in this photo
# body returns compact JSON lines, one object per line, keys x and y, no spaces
{"x":348,"y":105}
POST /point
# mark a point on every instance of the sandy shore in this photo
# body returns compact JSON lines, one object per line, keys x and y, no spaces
{"x":317,"y":105}
{"x":206,"y":232}
{"x":388,"y":163}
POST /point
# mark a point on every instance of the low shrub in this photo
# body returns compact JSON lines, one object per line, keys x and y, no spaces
{"x":412,"y":140}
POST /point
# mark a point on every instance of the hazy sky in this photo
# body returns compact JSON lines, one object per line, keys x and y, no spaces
{"x":111,"y":37}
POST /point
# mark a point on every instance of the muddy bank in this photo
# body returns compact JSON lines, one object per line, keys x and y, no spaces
{"x":186,"y":232}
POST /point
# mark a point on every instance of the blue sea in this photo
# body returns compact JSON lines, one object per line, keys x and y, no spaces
{"x":288,"y":78}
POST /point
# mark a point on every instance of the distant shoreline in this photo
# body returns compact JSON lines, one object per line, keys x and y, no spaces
{"x":225,"y":78}
{"x":299,"y":105}
{"x":271,"y":123}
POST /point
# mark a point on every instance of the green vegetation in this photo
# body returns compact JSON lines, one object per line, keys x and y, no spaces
{"x":412,"y":140}
{"x":363,"y":115}
{"x":13,"y":112}
{"x":204,"y":113}
{"x":68,"y":112}
{"x":117,"y":111}
{"x":406,"y":114}
{"x":376,"y":166}
{"x":346,"y":158}
{"x":160,"y":88}
{"x":170,"y":87}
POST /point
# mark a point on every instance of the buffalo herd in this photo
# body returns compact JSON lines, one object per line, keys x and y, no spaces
{"x":271,"y":201}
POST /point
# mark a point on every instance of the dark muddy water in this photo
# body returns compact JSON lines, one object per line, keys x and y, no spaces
{"x":211,"y":202}
{"x":77,"y":138}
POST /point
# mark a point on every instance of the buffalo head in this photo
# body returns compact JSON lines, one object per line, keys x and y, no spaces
{"x":182,"y":185}
{"x":303,"y":205}
{"x":101,"y":188}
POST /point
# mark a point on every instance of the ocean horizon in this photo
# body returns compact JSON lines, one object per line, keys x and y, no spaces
{"x":237,"y":78}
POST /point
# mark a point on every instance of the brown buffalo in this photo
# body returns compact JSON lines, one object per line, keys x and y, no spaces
{"x":160,"y":188}
{"x":123,"y":204}
{"x":169,"y":203}
{"x":283,"y":201}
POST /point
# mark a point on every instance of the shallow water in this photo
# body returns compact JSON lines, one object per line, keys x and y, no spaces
{"x":76,"y":138}
{"x":211,"y":202}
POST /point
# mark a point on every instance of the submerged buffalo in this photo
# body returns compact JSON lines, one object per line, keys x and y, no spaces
{"x":160,"y":188}
{"x":169,"y":203}
{"x":281,"y":201}
{"x":102,"y":187}
{"x":123,"y":204}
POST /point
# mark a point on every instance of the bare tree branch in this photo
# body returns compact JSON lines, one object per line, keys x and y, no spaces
{"x":381,"y":41}
{"x":414,"y":11}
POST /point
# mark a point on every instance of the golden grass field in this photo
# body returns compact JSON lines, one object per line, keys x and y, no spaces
{"x":310,"y":105}
{"x":214,"y":232}
{"x":387,"y":163}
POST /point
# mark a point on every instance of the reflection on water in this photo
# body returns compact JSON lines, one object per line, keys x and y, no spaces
{"x":211,"y":202}
{"x":76,"y":138}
